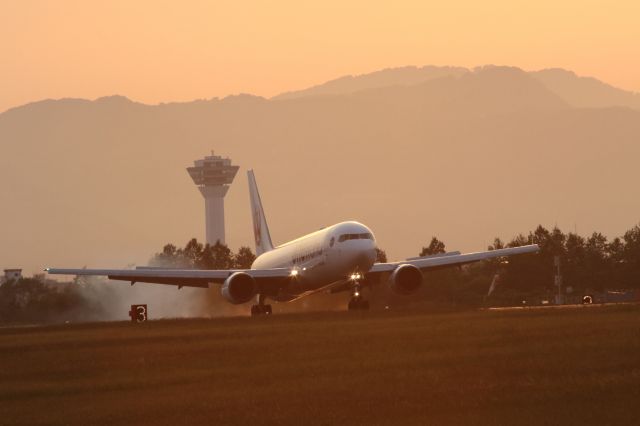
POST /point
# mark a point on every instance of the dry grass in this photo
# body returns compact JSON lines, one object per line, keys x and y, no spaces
{"x":577,"y":366}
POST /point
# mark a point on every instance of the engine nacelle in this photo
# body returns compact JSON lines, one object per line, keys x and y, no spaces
{"x":405,"y":279}
{"x":239,"y":288}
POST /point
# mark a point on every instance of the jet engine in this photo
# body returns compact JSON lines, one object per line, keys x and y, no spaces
{"x":405,"y":279}
{"x":239,"y":288}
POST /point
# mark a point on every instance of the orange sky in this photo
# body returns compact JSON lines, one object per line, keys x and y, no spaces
{"x":154,"y":51}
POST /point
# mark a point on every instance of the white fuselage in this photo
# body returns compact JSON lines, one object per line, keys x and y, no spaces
{"x":323,"y":258}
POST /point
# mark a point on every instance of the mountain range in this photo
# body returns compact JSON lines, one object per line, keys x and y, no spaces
{"x":581,"y":92}
{"x":463,"y":154}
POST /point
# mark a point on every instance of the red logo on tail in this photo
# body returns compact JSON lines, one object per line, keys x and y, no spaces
{"x":257,"y":227}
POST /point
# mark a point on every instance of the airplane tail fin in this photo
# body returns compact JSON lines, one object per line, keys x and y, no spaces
{"x":260,"y":228}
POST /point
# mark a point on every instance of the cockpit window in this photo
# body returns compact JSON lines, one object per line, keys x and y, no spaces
{"x":363,"y":236}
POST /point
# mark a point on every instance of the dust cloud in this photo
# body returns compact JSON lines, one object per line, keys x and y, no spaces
{"x":107,"y":300}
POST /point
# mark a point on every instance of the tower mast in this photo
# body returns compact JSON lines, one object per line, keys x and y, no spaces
{"x":213,"y":175}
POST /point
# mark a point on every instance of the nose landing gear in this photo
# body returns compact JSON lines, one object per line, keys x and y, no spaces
{"x":261,"y":308}
{"x":357,"y":302}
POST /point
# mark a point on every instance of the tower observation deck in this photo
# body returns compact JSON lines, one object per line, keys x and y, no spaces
{"x":213,"y":175}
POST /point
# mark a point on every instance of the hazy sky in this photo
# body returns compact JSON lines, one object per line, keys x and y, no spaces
{"x":154,"y":51}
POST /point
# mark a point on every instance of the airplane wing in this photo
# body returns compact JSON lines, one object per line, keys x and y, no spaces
{"x":179,"y":277}
{"x":450,"y":259}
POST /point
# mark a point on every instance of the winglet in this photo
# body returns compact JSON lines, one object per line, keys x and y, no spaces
{"x":260,"y":227}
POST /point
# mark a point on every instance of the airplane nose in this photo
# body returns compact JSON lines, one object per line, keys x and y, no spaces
{"x":365,"y":261}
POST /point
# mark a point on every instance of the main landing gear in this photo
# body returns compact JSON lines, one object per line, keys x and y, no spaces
{"x":358,"y":302}
{"x":260,"y":308}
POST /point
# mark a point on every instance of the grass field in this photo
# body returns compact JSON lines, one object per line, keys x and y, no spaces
{"x":571,"y":366}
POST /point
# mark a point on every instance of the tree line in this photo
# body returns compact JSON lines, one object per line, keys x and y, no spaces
{"x":196,"y":255}
{"x":588,"y":264}
{"x":35,"y":299}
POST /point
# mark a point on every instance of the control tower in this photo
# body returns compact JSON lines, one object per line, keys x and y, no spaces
{"x":213,"y":175}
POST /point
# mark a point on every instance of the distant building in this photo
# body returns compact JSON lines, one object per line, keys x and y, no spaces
{"x":213,"y":175}
{"x":12,"y":274}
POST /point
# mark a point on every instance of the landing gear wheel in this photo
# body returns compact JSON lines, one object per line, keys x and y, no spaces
{"x":261,"y":310}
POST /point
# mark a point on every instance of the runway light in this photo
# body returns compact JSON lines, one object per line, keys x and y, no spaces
{"x":356,"y":294}
{"x":355,"y":276}
{"x":294,"y":272}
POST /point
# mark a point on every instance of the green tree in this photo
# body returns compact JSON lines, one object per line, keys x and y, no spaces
{"x":615,"y":250}
{"x":29,"y":300}
{"x":572,"y":264}
{"x":497,"y":244}
{"x":435,"y":247}
{"x":631,"y":257}
{"x":520,"y":240}
{"x":381,"y":256}
{"x":244,"y":258}
{"x":207,"y":258}
{"x":222,"y":256}
{"x":491,"y":266}
{"x":551,"y":244}
{"x":170,"y":257}
{"x":521,"y":273}
{"x":615,"y":254}
{"x":192,"y":253}
{"x":597,"y":264}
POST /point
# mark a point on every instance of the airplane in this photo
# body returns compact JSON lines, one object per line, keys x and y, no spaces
{"x":337,"y":258}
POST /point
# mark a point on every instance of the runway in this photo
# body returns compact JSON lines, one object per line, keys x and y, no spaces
{"x":379,"y":368}
{"x":572,"y":306}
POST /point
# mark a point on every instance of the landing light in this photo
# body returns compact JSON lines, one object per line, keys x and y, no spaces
{"x":355,"y":276}
{"x":294,"y":272}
